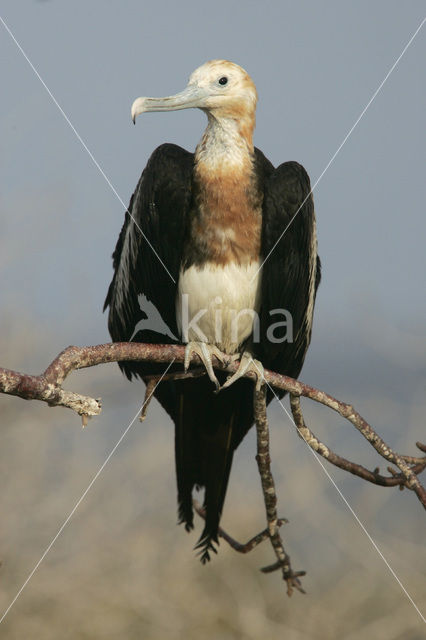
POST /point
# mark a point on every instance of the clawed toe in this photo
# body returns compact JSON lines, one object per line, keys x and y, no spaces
{"x":247,"y":364}
{"x":205,"y":352}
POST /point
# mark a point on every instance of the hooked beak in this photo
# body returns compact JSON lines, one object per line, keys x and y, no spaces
{"x":192,"y":96}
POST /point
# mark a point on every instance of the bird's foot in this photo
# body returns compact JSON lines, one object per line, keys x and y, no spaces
{"x":247,"y":364}
{"x":205,"y":352}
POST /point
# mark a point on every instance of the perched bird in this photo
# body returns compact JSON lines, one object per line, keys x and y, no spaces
{"x":224,"y":246}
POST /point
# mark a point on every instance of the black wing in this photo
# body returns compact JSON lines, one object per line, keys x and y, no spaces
{"x":291,"y":273}
{"x":148,"y":254}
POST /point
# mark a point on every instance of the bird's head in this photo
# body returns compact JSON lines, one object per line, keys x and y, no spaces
{"x":220,"y":88}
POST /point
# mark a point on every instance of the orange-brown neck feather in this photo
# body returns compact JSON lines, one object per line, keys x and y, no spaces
{"x":226,"y":223}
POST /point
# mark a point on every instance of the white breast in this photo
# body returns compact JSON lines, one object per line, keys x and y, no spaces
{"x":218,"y":304}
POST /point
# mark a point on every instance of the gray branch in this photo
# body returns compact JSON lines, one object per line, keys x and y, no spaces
{"x":48,"y":387}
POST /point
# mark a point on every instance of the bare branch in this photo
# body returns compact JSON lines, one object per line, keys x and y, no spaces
{"x":263,"y":459}
{"x":48,"y":388}
{"x":402,"y":479}
{"x":40,"y":388}
{"x":238,"y":546}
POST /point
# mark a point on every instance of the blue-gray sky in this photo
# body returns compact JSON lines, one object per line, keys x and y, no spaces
{"x":316,"y":66}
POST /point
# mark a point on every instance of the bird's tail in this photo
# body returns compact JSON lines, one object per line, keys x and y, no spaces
{"x":207,"y":432}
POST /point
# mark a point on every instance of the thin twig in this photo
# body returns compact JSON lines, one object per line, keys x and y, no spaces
{"x":263,"y":459}
{"x":149,"y":390}
{"x":234,"y":544}
{"x":352,"y":467}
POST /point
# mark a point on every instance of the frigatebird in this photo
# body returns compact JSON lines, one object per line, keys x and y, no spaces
{"x":224,"y":246}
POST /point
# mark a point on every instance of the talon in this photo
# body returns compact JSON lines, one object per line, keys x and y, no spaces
{"x":205,"y":352}
{"x":188,"y":354}
{"x":247,"y":363}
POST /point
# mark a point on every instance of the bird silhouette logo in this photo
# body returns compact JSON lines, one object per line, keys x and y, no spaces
{"x":153,"y":321}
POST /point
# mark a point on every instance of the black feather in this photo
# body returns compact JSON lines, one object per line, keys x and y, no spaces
{"x":209,"y":426}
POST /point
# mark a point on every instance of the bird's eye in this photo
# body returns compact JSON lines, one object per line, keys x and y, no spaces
{"x":223,"y":80}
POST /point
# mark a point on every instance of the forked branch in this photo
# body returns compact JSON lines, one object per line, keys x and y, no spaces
{"x":48,"y":388}
{"x":263,"y":459}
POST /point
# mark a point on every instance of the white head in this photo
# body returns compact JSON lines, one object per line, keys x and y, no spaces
{"x":220,"y":88}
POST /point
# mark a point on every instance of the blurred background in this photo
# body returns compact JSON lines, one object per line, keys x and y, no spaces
{"x":121,"y":567}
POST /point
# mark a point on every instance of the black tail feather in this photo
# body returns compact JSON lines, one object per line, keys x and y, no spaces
{"x":184,"y":467}
{"x":205,"y":545}
{"x":208,"y":428}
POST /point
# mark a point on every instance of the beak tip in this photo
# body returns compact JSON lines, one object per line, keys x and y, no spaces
{"x":137,"y":108}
